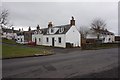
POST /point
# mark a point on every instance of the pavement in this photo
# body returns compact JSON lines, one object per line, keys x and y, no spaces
{"x":66,"y":63}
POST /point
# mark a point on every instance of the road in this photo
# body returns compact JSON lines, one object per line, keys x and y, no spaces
{"x":65,"y":64}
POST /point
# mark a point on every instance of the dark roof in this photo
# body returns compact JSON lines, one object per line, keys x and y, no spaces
{"x":25,"y":32}
{"x":106,"y":32}
{"x":9,"y":30}
{"x":66,"y":28}
{"x":20,"y":33}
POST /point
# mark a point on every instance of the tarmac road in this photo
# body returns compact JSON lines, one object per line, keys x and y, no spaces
{"x":71,"y":63}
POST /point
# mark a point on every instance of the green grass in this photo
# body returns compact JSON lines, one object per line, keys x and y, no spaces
{"x":11,"y":51}
{"x":8,"y":41}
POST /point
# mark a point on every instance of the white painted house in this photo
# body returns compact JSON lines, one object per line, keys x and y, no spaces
{"x":9,"y":33}
{"x":58,"y":36}
{"x":24,"y":37}
{"x":105,"y":36}
{"x":20,"y":38}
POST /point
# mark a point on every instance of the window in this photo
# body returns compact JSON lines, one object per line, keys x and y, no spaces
{"x":39,"y":39}
{"x":47,"y":31}
{"x":21,"y":39}
{"x":109,"y":39}
{"x":61,"y":30}
{"x":18,"y":38}
{"x":59,"y":39}
{"x":52,"y":30}
{"x":47,"y":40}
{"x":103,"y":39}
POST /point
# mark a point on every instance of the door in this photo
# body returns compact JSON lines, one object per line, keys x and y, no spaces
{"x":53,"y":41}
{"x":35,"y":41}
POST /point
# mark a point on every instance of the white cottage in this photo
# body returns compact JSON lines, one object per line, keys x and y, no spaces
{"x":20,"y":38}
{"x":58,"y":36}
{"x":9,"y":33}
{"x":105,"y":36}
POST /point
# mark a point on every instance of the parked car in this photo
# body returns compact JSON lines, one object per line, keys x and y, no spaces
{"x":31,"y":43}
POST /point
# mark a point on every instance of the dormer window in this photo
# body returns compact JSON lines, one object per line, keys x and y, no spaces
{"x":35,"y":32}
{"x":61,"y":30}
{"x":47,"y":31}
{"x":39,"y":32}
{"x":52,"y":30}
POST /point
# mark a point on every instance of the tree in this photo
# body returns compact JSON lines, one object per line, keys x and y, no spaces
{"x":83,"y":31}
{"x":4,"y":18}
{"x":97,"y":26}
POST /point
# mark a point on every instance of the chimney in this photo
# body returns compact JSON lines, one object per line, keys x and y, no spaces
{"x":38,"y":27}
{"x":12,"y":28}
{"x":29,"y":29}
{"x":19,"y":29}
{"x":72,"y":22}
{"x":50,"y":24}
{"x":22,"y":29}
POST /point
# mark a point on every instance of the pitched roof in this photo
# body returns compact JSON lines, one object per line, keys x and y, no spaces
{"x":25,"y":32}
{"x":102,"y":31}
{"x":66,"y":28}
{"x":9,"y":30}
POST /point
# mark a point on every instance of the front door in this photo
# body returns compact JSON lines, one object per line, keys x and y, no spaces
{"x":53,"y":41}
{"x":35,"y":41}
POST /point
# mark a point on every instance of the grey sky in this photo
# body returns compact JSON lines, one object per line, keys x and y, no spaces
{"x":24,"y":14}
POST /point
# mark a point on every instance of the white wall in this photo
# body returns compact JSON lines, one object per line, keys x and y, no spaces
{"x":9,"y":35}
{"x":19,"y":39}
{"x":56,"y":43}
{"x":37,"y":36}
{"x":73,"y":36}
{"x":112,"y":39}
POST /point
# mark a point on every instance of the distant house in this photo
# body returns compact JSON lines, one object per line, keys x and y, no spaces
{"x":9,"y":33}
{"x":24,"y":36}
{"x":58,"y":36}
{"x":105,"y":37}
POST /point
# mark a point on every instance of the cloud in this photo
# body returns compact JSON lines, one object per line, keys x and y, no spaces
{"x":33,"y":13}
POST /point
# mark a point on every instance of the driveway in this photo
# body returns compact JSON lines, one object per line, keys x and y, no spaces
{"x":76,"y":63}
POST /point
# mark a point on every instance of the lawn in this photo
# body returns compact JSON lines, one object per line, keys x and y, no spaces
{"x":11,"y":51}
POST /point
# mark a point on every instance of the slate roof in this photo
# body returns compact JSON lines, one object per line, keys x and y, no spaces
{"x":105,"y":32}
{"x":9,"y":30}
{"x":25,"y":32}
{"x":66,"y":28}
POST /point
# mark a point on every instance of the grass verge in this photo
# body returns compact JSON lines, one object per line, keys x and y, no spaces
{"x":12,"y":51}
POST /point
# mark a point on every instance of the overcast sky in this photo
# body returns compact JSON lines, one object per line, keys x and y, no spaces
{"x":24,"y":14}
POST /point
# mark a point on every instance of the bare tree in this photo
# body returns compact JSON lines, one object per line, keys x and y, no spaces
{"x":4,"y":21}
{"x":4,"y":17}
{"x":83,"y":31}
{"x":97,"y":25}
